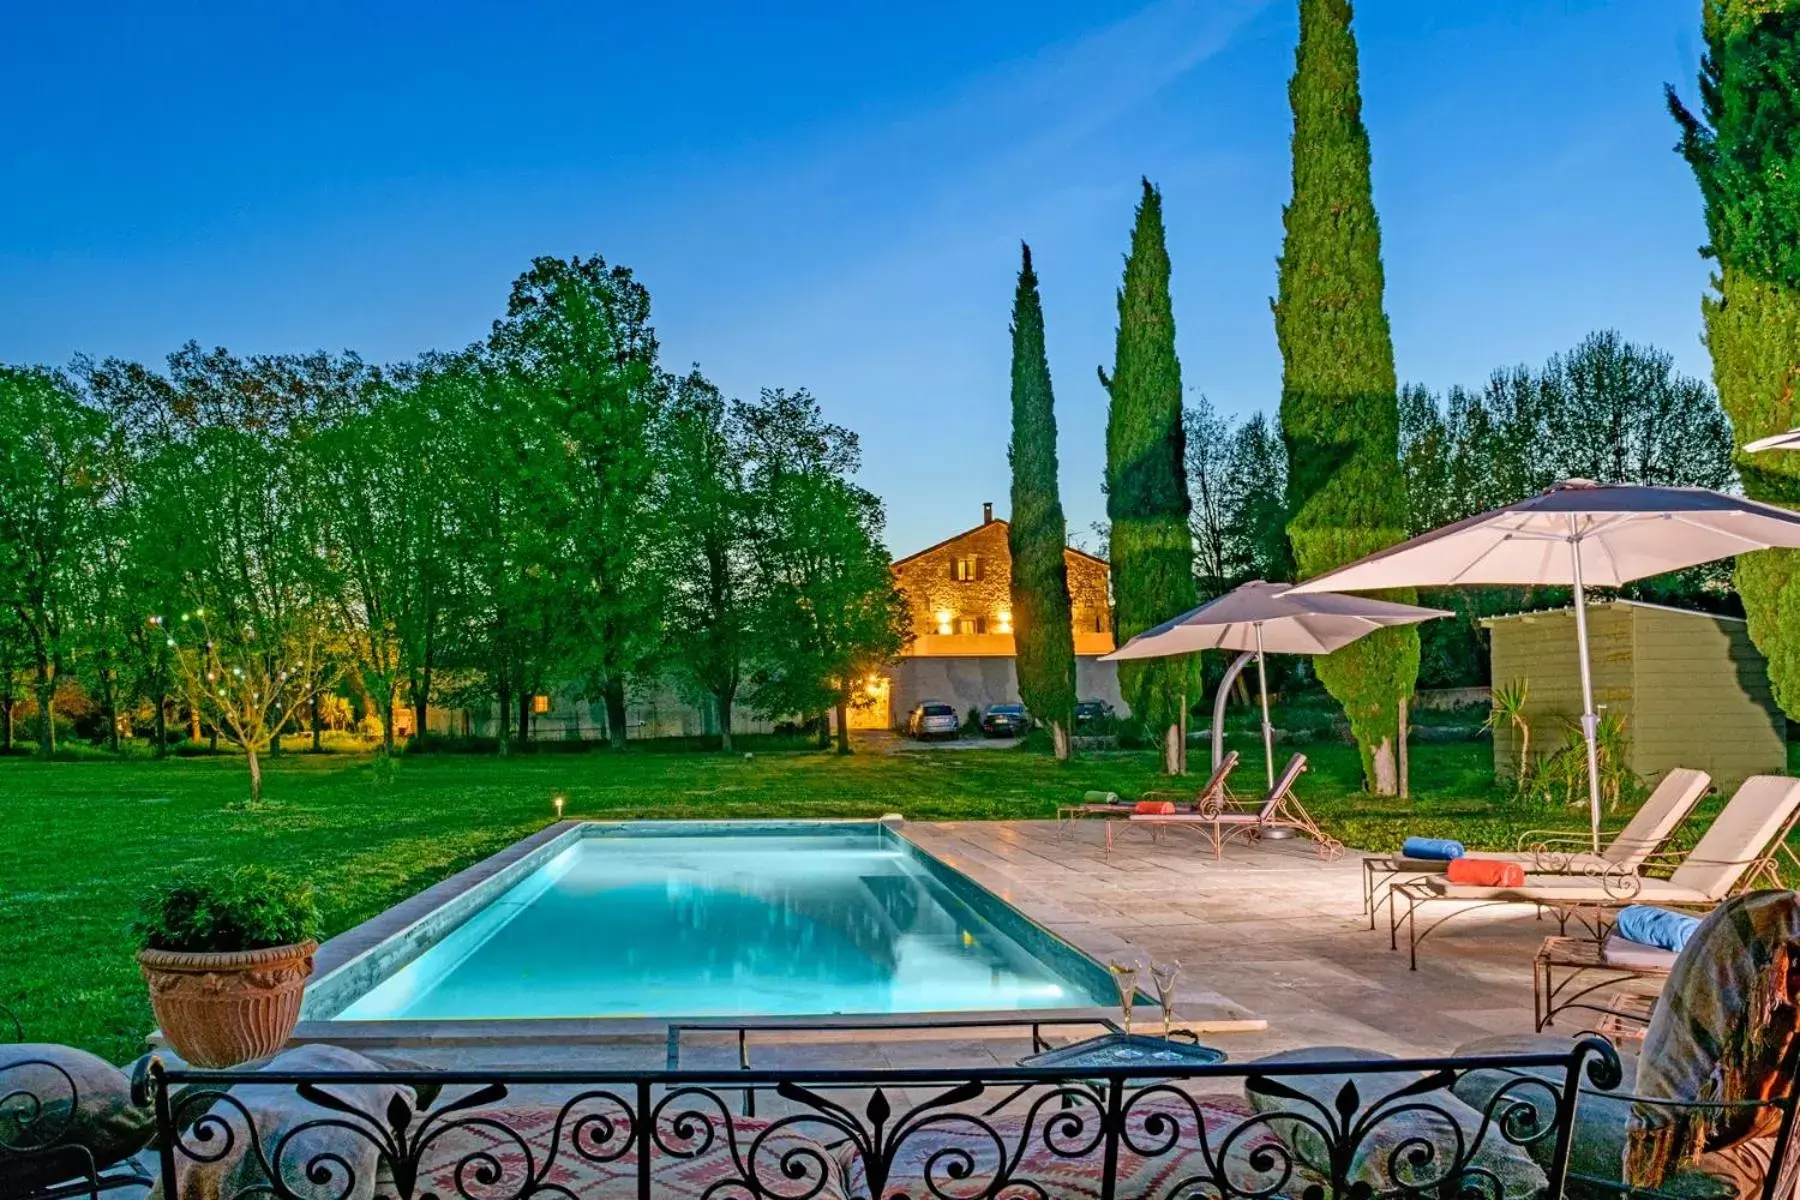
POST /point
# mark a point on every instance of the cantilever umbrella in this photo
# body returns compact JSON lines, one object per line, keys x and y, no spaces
{"x":1578,"y":534}
{"x":1259,"y":617}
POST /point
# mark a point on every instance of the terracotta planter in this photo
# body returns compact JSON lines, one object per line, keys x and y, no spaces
{"x":218,"y":1010}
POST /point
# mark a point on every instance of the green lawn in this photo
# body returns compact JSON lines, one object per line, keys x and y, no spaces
{"x":85,"y":838}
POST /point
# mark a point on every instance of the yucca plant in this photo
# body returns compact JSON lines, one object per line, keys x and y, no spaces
{"x":1508,"y":708}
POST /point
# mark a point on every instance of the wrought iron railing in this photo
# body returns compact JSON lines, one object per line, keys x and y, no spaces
{"x":1222,"y":1132}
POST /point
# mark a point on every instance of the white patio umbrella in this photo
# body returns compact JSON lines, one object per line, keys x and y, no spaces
{"x":1780,"y":441}
{"x":1259,"y":617}
{"x":1577,"y":534}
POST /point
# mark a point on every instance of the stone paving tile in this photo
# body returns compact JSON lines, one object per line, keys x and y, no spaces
{"x":1270,"y":928}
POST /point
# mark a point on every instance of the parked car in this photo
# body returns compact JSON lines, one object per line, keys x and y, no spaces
{"x":1090,"y":714}
{"x":931,"y":720}
{"x":1005,"y":720}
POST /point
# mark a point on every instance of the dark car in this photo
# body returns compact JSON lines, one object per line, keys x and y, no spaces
{"x":1005,"y":720}
{"x":1092,"y":713}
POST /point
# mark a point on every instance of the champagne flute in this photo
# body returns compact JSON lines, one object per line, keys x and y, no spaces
{"x":1125,"y":975}
{"x":1162,"y":977}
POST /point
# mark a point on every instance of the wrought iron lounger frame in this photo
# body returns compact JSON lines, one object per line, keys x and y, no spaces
{"x":1592,"y":914}
{"x":1540,"y":851}
{"x":1280,"y":809}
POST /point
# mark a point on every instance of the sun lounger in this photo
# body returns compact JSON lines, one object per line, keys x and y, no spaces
{"x":1558,"y":852}
{"x":1280,"y":809}
{"x":1212,"y":790}
{"x":1741,"y":849}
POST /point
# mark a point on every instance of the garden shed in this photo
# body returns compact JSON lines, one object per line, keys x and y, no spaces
{"x":1692,"y":689}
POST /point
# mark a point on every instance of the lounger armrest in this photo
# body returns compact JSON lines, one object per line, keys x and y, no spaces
{"x":1533,"y":837}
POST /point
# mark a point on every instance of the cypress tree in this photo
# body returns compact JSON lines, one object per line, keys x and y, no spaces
{"x":1744,"y":148}
{"x":1146,"y":483}
{"x":1340,"y":417}
{"x":1036,"y":535}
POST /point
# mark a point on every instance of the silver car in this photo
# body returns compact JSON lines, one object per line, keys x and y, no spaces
{"x":931,"y":720}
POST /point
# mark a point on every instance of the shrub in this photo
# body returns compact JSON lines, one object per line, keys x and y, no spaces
{"x":225,"y":911}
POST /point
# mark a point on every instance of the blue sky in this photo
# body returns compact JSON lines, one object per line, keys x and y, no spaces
{"x":832,"y":195}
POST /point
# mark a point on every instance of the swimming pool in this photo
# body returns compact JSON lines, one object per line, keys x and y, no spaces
{"x":717,"y":919}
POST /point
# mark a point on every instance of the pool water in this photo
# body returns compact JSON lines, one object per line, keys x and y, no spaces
{"x":849,"y":919}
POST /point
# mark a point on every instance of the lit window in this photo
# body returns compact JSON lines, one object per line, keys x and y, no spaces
{"x":968,"y":625}
{"x":966,"y":569}
{"x":540,"y":704}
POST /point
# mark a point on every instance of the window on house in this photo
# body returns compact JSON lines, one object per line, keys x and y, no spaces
{"x":971,"y":624}
{"x":540,"y":704}
{"x":966,"y":569}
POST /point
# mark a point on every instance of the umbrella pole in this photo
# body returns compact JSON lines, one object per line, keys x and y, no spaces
{"x":1218,"y":729}
{"x":1262,"y":686}
{"x":1590,"y":721}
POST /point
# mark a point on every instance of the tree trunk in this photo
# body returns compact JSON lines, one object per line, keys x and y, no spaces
{"x":524,"y":720}
{"x":1059,"y":741}
{"x":46,"y":713}
{"x":825,"y":730}
{"x":722,"y":706}
{"x":6,"y":723}
{"x":421,"y":702}
{"x":503,"y":721}
{"x":318,"y":725}
{"x":255,"y":776}
{"x":193,"y":722}
{"x":389,"y":703}
{"x":843,"y":725}
{"x":1386,"y":781}
{"x":1171,"y":750}
{"x":614,"y":692}
{"x":1405,"y":767}
{"x":162,"y":725}
{"x":109,"y":697}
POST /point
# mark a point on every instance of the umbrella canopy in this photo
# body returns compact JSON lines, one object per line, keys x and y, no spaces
{"x":1577,"y":534}
{"x":1287,"y":623}
{"x":1618,"y":533}
{"x":1259,"y":617}
{"x":1780,"y":441}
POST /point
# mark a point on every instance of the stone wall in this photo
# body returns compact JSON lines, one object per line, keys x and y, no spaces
{"x":962,"y":589}
{"x":976,"y":682}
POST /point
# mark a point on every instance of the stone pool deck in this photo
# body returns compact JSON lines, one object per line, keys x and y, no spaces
{"x":1275,"y":948}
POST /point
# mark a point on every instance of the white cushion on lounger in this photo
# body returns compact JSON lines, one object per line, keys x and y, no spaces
{"x":1628,"y":955}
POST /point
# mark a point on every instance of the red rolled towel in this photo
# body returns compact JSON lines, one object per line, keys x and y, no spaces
{"x":1485,"y":872}
{"x":1160,"y":808}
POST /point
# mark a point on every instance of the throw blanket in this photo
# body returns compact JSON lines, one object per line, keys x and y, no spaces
{"x":1442,"y":849}
{"x":1722,"y":1031}
{"x":1158,"y":808}
{"x":1485,"y":872}
{"x":1659,"y":927}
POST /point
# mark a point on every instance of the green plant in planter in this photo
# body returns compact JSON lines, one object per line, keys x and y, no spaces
{"x":226,"y":911}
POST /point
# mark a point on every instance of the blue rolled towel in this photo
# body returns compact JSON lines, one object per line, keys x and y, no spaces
{"x":1442,"y":849}
{"x":1657,"y":927}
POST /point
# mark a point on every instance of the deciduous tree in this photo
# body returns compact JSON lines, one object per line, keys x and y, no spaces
{"x":578,"y":340}
{"x":708,"y":520}
{"x":51,"y":484}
